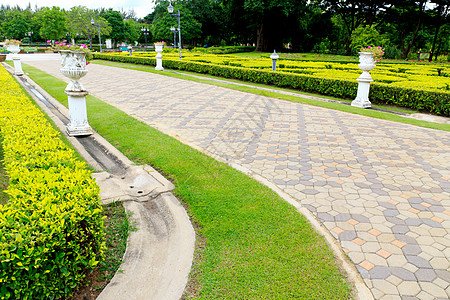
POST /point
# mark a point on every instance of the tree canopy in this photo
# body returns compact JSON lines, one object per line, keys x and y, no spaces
{"x":402,"y":27}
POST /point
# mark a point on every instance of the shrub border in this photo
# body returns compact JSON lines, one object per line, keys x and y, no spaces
{"x":51,"y":229}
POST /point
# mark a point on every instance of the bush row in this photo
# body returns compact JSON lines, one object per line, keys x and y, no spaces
{"x":224,"y":49}
{"x":434,"y":102}
{"x":51,"y":228}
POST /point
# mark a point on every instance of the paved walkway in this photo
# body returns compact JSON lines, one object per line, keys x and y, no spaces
{"x":381,"y":188}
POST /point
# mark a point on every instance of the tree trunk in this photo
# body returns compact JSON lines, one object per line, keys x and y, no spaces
{"x":408,"y":48}
{"x":436,"y":32}
{"x":270,"y":32}
{"x":260,"y":38}
{"x":433,"y":48}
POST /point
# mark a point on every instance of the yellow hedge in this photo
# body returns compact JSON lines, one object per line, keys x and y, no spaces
{"x":51,"y":229}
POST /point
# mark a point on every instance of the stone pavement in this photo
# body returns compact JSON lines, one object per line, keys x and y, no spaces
{"x":381,"y":188}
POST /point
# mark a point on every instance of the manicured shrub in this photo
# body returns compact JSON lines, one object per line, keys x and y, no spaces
{"x":224,"y":49}
{"x":51,"y":228}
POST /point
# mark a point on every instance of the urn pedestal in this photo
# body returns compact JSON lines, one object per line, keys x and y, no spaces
{"x":15,"y":49}
{"x":159,"y":49}
{"x":366,"y":64}
{"x":74,"y":67}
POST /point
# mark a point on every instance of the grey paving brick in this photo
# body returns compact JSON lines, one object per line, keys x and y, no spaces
{"x":401,"y":229}
{"x":342,"y":217}
{"x":379,"y":272}
{"x":427,"y":275}
{"x":403,"y":274}
{"x":418,"y":261}
{"x":411,"y":250}
{"x":347,"y":235}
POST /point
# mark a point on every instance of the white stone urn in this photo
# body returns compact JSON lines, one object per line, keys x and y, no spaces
{"x":159,"y":48}
{"x":366,"y":64}
{"x":15,"y":49}
{"x":74,"y":67}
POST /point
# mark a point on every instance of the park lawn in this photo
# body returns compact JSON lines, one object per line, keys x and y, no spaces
{"x":251,"y":244}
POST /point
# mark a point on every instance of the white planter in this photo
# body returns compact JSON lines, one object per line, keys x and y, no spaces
{"x":159,"y":48}
{"x":74,"y":67}
{"x":366,"y":64}
{"x":15,"y":49}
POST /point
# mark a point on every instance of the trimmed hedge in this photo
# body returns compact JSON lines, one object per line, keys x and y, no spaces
{"x":51,"y":228}
{"x":224,"y":49}
{"x":433,"y":102}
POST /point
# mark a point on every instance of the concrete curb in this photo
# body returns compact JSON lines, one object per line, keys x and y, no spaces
{"x":159,"y":254}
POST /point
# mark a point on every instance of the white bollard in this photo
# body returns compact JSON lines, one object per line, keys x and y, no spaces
{"x":159,"y":49}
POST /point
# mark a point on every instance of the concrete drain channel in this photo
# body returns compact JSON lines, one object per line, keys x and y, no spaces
{"x":159,"y":253}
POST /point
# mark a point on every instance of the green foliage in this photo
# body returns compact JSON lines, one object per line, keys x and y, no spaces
{"x":132,"y":30}
{"x":224,"y":50}
{"x":190,"y":27}
{"x":366,"y":36}
{"x":3,"y":177}
{"x":392,"y":52}
{"x":118,"y":31}
{"x":51,"y":229}
{"x":53,"y":23}
{"x":78,"y":21}
{"x":14,"y":25}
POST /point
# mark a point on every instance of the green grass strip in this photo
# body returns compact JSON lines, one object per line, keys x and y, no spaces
{"x":255,"y":245}
{"x":297,"y":99}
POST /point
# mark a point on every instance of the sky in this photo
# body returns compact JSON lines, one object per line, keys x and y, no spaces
{"x":141,"y":7}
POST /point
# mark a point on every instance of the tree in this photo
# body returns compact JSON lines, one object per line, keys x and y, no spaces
{"x":190,"y":27}
{"x":78,"y":23}
{"x":132,"y":30}
{"x":366,"y":35}
{"x":53,"y":23}
{"x":15,"y":24}
{"x":115,"y":20}
{"x":353,"y":13}
{"x":441,"y":16}
{"x":405,"y":20}
{"x":208,"y":13}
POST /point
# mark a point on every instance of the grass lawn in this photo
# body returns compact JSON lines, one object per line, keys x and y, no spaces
{"x":117,"y":227}
{"x":252,"y":88}
{"x":251,"y":244}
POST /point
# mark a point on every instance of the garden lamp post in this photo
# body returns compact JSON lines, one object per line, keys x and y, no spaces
{"x":274,"y":58}
{"x":30,"y":33}
{"x":99,"y":38}
{"x":174,"y":36}
{"x":145,"y":31}
{"x":177,"y":15}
